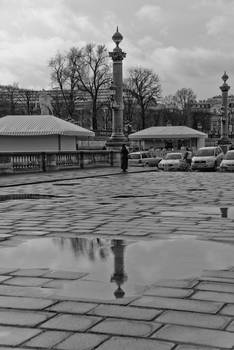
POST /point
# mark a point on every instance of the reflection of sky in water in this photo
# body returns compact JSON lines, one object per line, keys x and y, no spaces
{"x":224,"y":212}
{"x":145,"y":262}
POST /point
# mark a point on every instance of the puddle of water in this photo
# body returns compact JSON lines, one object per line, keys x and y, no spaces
{"x":117,"y":268}
{"x":20,"y":196}
{"x":67,"y":184}
{"x":224,"y":212}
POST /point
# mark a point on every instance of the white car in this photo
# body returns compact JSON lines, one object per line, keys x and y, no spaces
{"x":142,"y":158}
{"x":227,"y":163}
{"x":207,"y":158}
{"x":173,"y":161}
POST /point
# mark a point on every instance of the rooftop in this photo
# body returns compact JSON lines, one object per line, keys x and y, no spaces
{"x":166,"y":132}
{"x":30,"y":125}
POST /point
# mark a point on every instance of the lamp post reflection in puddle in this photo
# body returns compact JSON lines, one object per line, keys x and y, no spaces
{"x":224,"y":212}
{"x":119,"y":276}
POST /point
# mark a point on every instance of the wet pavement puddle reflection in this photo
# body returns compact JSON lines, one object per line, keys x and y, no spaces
{"x":208,"y":211}
{"x":116,"y":268}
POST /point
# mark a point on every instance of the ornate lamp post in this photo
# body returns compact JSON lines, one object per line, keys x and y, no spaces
{"x":224,"y":140}
{"x":117,"y":137}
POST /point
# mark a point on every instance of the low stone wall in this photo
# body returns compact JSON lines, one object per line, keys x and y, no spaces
{"x":23,"y":162}
{"x":6,"y":165}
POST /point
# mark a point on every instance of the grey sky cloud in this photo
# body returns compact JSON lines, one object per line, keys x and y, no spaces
{"x":188,"y":44}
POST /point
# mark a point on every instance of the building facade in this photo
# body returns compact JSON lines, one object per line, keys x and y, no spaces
{"x":213,"y":106}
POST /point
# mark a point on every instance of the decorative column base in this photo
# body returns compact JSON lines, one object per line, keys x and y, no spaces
{"x":116,"y":142}
{"x":224,"y":141}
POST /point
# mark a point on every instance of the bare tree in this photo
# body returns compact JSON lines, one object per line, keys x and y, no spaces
{"x":81,"y":72}
{"x":9,"y":97}
{"x":64,"y":77}
{"x":184,"y":99}
{"x":27,"y":99}
{"x":145,"y":88}
{"x":169,"y":102}
{"x":130,"y":108}
{"x":93,"y":72}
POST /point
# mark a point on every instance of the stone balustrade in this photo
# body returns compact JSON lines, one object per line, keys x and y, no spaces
{"x":22,"y":162}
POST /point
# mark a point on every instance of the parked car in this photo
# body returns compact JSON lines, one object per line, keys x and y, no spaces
{"x":227,"y":163}
{"x":207,"y":158}
{"x":142,"y":158}
{"x":173,"y":161}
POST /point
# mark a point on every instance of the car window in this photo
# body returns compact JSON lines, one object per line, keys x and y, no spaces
{"x":134,"y":156}
{"x":174,"y":156}
{"x":145,"y":155}
{"x":229,"y":156}
{"x":206,"y":152}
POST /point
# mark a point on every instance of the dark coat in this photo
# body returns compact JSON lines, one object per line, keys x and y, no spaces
{"x":124,"y":158}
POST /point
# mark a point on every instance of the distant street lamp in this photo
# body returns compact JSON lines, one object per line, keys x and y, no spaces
{"x":224,"y":139}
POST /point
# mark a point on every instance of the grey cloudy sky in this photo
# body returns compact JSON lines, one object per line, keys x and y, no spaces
{"x":187,"y":43}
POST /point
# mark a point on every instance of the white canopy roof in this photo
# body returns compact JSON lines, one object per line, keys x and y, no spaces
{"x":30,"y":125}
{"x":167,"y":132}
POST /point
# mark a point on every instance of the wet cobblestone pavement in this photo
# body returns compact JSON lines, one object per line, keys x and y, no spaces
{"x":39,"y":305}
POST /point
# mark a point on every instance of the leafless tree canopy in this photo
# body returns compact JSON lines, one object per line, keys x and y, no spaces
{"x":145,"y":88}
{"x":183,"y":98}
{"x":64,"y":76}
{"x":16,"y":100}
{"x":83,"y":70}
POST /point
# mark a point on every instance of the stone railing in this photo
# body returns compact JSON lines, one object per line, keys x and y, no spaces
{"x":22,"y":162}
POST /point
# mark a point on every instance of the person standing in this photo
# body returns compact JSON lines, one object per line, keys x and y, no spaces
{"x":124,"y":158}
{"x":188,"y":158}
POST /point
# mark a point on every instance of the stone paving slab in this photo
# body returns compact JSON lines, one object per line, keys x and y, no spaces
{"x":27,"y":281}
{"x":82,"y":342}
{"x":71,"y":322}
{"x":197,"y":336}
{"x":228,"y":309}
{"x":58,"y":283}
{"x":195,"y":347}
{"x":125,"y":327}
{"x":125,"y":312}
{"x":47,"y":339}
{"x":216,"y":287}
{"x":6,"y":271}
{"x":221,"y":274}
{"x":23,"y":318}
{"x":24,"y":303}
{"x":117,"y":343}
{"x":181,"y":283}
{"x":230,"y":327}
{"x":4,"y":278}
{"x":14,"y":336}
{"x":29,"y":272}
{"x":211,"y":307}
{"x":169,"y":292}
{"x":68,"y":275}
{"x":29,"y":292}
{"x":73,"y":307}
{"x":195,"y":319}
{"x":214,"y":296}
